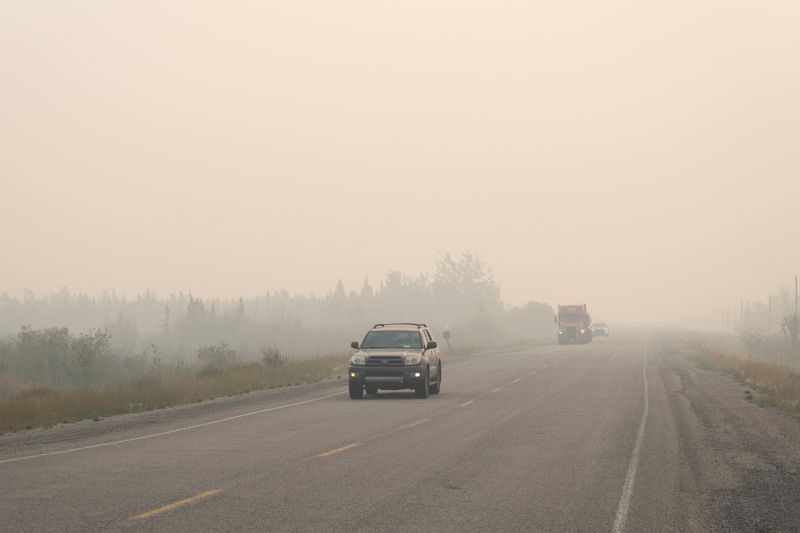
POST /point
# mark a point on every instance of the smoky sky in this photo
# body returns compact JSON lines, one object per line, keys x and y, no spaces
{"x":642,"y":157}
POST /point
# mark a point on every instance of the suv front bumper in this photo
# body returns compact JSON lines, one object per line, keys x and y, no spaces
{"x":391,"y":378}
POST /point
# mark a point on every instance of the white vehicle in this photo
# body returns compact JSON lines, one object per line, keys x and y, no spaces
{"x":600,"y":329}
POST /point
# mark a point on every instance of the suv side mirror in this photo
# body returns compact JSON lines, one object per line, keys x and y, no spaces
{"x":431,"y":345}
{"x":354,"y":345}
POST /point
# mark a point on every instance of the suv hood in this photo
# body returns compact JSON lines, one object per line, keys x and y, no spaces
{"x":382,"y":352}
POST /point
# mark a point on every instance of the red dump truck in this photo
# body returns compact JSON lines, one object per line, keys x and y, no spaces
{"x":574,"y":324}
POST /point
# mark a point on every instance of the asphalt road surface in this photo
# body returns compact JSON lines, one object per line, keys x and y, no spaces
{"x":618,"y":435}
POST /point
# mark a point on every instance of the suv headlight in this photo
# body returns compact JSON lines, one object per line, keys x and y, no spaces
{"x":413,"y":359}
{"x":358,"y":360}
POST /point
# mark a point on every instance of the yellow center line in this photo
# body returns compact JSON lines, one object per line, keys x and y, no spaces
{"x":419,"y":422}
{"x":340,"y":450}
{"x":175,"y":505}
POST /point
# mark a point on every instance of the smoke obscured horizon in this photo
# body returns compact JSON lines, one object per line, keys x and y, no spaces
{"x":639,"y":157}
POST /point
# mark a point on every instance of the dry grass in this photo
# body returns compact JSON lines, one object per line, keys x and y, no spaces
{"x":777,"y":384}
{"x":44,"y":407}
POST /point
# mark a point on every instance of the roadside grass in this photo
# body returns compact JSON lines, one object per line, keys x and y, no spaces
{"x":45,"y":407}
{"x":776,"y":384}
{"x":26,"y":407}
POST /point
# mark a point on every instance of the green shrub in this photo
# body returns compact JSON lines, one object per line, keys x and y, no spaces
{"x":216,"y":358}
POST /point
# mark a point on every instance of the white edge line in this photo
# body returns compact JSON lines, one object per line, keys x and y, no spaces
{"x":627,"y":489}
{"x":170,"y":432}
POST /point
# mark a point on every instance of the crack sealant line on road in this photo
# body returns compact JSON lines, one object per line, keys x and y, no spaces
{"x":627,"y":489}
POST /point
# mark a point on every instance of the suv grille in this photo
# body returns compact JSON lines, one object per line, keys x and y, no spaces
{"x":385,"y":360}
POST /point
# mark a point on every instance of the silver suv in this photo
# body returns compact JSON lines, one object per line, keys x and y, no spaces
{"x":393,"y":357}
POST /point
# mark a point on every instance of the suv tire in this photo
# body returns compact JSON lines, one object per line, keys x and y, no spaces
{"x":371,"y":390}
{"x":423,"y":389}
{"x":436,"y":387}
{"x":356,"y":391}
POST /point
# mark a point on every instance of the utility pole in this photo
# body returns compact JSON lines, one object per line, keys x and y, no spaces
{"x":796,"y":320}
{"x":769,"y":315}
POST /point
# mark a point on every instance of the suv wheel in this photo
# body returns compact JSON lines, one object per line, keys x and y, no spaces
{"x":356,"y":391}
{"x":423,"y":388}
{"x":371,"y":389}
{"x":436,"y":387}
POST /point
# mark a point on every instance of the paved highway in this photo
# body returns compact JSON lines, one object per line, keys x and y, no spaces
{"x":549,"y":438}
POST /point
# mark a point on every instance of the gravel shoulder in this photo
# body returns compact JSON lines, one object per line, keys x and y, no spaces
{"x":742,"y":461}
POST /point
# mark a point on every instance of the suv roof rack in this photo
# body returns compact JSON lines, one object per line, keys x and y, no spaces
{"x":400,"y":324}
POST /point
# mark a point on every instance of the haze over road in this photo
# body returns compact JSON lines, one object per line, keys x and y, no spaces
{"x":594,"y":437}
{"x":640,"y":156}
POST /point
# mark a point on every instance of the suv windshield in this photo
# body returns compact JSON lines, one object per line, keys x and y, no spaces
{"x":392,"y":339}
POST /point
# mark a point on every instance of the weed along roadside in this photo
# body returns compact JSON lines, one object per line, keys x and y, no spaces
{"x":767,"y":383}
{"x":218,"y":374}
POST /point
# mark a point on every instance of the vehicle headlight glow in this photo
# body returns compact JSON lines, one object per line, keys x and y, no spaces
{"x":358,"y":360}
{"x":413,"y":359}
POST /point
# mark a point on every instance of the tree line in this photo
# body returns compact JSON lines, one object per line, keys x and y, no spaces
{"x":84,"y":333}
